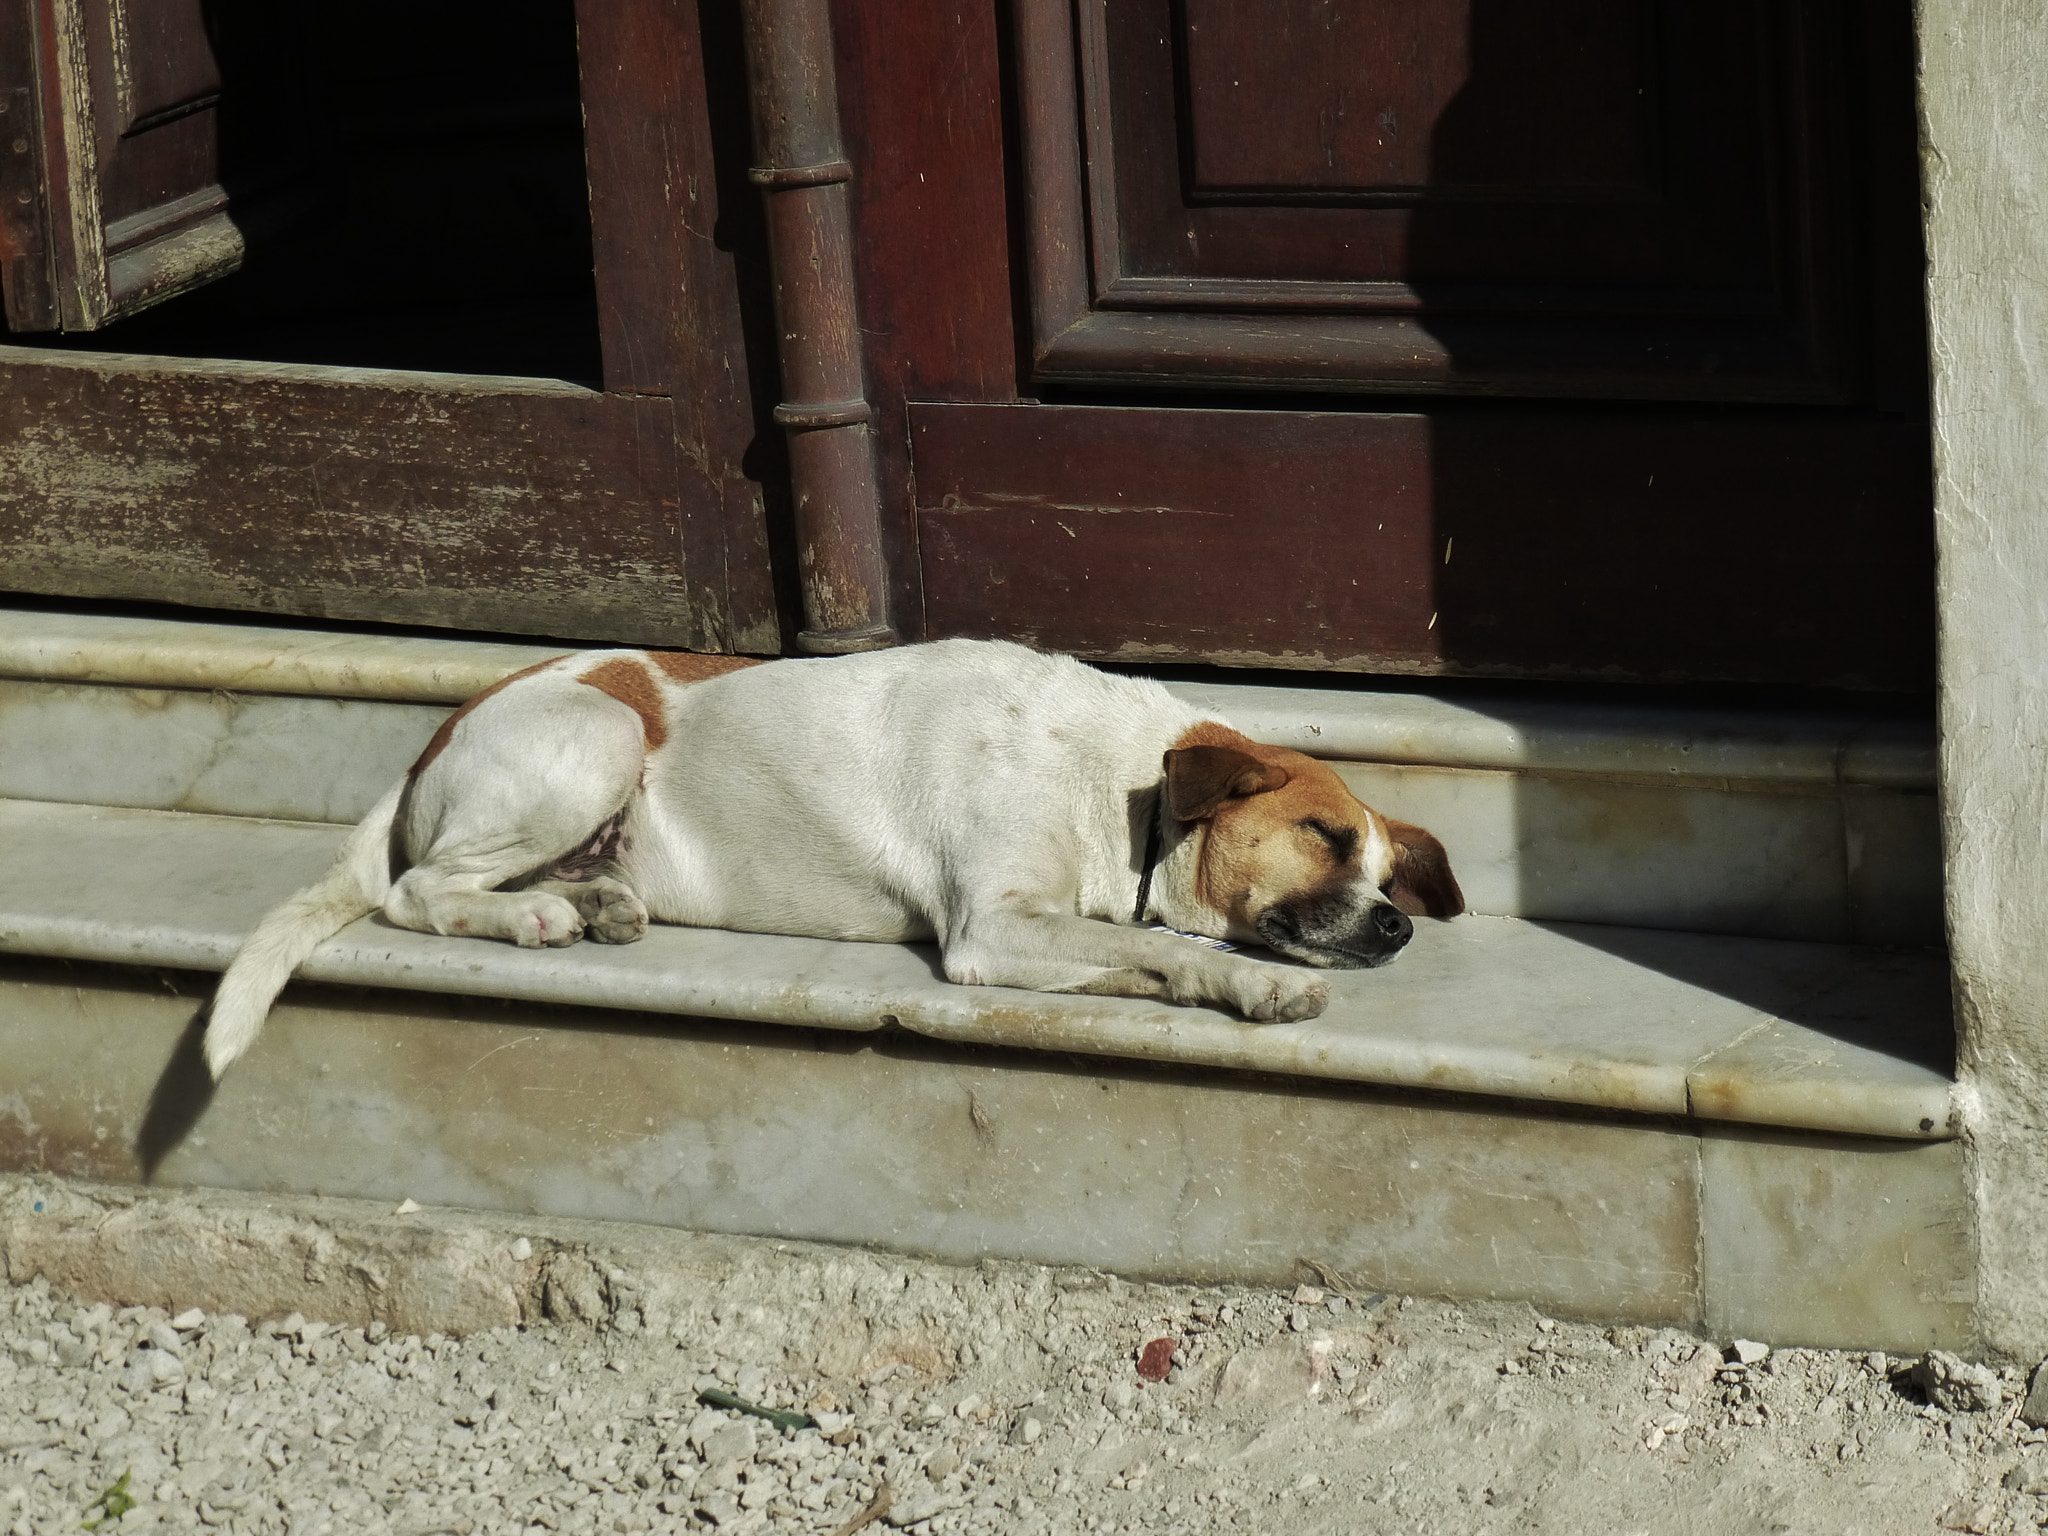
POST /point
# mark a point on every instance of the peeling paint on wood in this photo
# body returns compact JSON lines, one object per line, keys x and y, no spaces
{"x":479,"y":503}
{"x":665,"y":144}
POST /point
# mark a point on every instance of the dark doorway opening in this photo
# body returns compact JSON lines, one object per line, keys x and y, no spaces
{"x":409,"y":178}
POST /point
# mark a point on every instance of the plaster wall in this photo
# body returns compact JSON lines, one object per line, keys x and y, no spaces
{"x":1984,"y":103}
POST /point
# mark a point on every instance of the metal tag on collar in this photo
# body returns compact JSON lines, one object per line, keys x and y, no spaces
{"x":1197,"y":938}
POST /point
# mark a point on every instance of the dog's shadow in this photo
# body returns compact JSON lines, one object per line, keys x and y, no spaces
{"x":183,"y":1092}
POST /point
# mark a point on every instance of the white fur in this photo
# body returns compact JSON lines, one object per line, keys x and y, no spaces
{"x":976,"y":793}
{"x":355,"y":884}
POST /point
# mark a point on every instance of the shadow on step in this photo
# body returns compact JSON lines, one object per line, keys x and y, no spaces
{"x":1892,"y":1001}
{"x":180,"y":1098}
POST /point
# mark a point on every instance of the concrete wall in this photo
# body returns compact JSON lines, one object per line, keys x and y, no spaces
{"x":1985,"y":132}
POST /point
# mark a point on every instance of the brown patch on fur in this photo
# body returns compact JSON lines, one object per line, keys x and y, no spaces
{"x":438,"y":742}
{"x":1199,"y":778}
{"x":1214,"y":733}
{"x":627,"y":679}
{"x":680,"y":666}
{"x":1255,"y":851}
{"x":1422,"y":885}
{"x":687,"y":667}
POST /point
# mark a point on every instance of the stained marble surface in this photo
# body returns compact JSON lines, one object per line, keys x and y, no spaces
{"x":232,"y":754}
{"x":1465,"y":729}
{"x":1821,"y":863}
{"x":1472,"y":729}
{"x":1625,"y":1019}
{"x":1847,"y":1244}
{"x":891,"y":1140}
{"x":1816,"y":862}
{"x":251,"y":658}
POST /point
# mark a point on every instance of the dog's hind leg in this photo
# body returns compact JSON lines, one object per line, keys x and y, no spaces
{"x":588,"y":879}
{"x":525,"y":780}
{"x":611,"y":912}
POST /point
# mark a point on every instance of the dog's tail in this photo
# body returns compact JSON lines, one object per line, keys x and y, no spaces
{"x":354,"y":884}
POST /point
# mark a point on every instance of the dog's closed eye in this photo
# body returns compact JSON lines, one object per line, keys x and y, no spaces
{"x":1342,"y":841}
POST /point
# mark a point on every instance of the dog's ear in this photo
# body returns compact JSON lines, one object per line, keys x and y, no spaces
{"x":1198,"y":779}
{"x":1423,"y":885}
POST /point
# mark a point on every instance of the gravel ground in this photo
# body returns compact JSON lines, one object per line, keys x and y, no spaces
{"x":1004,"y":1398}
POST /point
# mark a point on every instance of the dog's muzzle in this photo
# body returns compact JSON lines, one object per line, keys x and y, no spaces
{"x":1352,"y":944}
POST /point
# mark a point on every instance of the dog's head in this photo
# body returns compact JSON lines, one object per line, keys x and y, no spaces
{"x":1290,"y":854}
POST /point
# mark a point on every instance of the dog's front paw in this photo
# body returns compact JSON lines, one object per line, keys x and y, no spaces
{"x":547,"y":923}
{"x":1278,"y":994}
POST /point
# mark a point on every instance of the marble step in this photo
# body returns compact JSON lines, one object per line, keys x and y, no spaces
{"x":1773,"y":823}
{"x":1747,"y":1128}
{"x":1817,"y":1037}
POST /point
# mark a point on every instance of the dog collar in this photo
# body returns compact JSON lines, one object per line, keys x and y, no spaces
{"x":1152,"y":841}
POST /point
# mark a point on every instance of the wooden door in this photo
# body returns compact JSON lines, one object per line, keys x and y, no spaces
{"x":624,"y":502}
{"x":119,"y":193}
{"x":1572,"y":340}
{"x":1584,"y":198}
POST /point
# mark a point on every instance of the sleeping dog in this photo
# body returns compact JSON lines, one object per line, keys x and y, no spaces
{"x":1034,"y":816}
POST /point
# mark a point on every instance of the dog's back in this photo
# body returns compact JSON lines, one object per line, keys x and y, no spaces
{"x":851,"y":797}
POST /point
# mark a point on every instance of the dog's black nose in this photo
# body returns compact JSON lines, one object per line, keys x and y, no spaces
{"x":1393,"y":925}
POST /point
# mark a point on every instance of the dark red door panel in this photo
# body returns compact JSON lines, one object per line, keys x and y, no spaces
{"x":1529,"y":541}
{"x":1601,"y":199}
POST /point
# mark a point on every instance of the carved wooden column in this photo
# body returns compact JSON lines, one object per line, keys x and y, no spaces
{"x":802,"y":170}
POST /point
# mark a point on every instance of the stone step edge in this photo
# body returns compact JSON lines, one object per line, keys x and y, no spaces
{"x":389,"y":961}
{"x":816,"y":983}
{"x":1469,"y":731}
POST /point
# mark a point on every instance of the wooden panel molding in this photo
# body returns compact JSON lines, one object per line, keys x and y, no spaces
{"x":128,"y":93}
{"x":1598,"y":199}
{"x":1359,"y":103}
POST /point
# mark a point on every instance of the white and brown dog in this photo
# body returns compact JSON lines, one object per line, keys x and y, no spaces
{"x":1031,"y":814}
